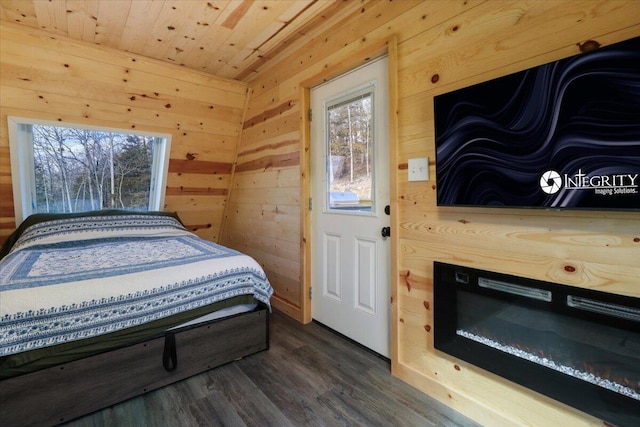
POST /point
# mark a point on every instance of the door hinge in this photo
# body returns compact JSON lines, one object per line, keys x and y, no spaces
{"x":310,"y":293}
{"x":310,"y":203}
{"x":310,"y":114}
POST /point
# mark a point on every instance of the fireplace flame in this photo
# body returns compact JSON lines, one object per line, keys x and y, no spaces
{"x":599,"y":373}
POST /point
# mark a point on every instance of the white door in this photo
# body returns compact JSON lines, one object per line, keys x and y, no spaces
{"x":350,"y":190}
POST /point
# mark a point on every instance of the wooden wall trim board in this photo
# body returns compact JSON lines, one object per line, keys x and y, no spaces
{"x":305,"y":195}
{"x":393,"y":193}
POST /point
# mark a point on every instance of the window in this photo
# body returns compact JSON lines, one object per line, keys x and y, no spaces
{"x":58,"y":167}
{"x":349,"y":121}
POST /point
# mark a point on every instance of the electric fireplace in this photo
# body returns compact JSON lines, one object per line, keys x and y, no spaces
{"x":578,"y":346}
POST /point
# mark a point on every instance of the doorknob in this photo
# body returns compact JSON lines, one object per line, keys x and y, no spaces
{"x":386,"y":231}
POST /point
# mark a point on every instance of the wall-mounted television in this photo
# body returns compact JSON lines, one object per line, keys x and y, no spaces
{"x":564,"y":135}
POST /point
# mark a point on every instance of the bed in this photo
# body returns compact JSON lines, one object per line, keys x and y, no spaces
{"x":99,"y":307}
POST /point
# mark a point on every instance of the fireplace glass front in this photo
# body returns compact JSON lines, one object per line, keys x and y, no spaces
{"x":578,"y":346}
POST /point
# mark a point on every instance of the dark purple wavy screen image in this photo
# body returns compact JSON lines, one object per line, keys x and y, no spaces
{"x":561,"y":135}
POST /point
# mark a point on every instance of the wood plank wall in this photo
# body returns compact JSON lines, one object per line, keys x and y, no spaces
{"x":53,"y":78}
{"x":442,"y":45}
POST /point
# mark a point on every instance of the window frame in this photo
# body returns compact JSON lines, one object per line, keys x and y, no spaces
{"x":22,"y":162}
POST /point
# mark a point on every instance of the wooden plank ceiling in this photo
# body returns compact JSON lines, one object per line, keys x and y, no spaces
{"x":226,"y":38}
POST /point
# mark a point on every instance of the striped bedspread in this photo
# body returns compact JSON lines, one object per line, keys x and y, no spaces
{"x":71,"y":279}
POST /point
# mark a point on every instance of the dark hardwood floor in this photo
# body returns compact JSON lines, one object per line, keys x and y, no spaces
{"x":309,"y":377}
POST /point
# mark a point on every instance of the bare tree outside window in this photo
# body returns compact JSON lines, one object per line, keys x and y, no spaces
{"x":79,"y":170}
{"x":349,"y":128}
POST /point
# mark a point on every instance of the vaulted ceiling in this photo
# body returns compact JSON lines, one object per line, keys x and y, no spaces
{"x":227,"y":38}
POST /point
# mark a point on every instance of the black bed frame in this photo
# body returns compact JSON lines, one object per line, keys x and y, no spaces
{"x":62,"y":393}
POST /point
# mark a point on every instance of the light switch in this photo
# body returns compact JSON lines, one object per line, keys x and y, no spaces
{"x":419,"y":169}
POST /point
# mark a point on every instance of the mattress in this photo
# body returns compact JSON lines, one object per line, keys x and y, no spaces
{"x":217,"y":315}
{"x":73,"y":287}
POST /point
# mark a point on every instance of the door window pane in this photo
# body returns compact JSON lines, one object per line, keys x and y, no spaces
{"x":350,"y":153}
